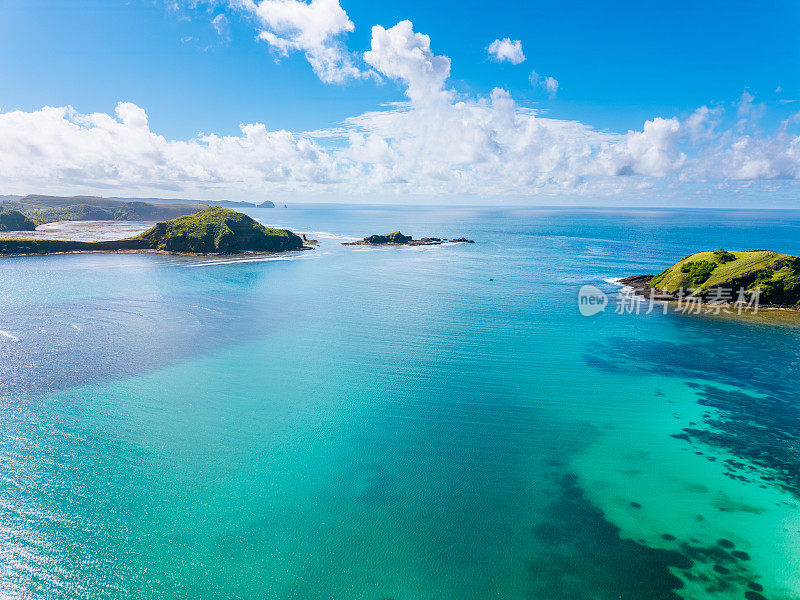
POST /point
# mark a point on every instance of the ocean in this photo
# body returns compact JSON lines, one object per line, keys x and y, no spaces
{"x":404,"y":423}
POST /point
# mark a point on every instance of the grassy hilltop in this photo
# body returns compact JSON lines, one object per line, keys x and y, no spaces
{"x":218,"y":230}
{"x":213,"y":230}
{"x":778,"y":275}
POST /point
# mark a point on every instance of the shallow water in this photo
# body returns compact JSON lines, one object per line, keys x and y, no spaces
{"x":84,"y":231}
{"x":430,"y":422}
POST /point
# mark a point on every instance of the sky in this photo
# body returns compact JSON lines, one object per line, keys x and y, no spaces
{"x":530,"y":102}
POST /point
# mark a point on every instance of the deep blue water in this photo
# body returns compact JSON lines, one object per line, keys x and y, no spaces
{"x":405,"y":423}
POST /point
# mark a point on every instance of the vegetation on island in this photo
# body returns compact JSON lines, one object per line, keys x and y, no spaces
{"x":390,"y":238}
{"x":47,"y":209}
{"x":214,"y":230}
{"x":398,"y":239}
{"x":218,"y":230}
{"x":13,"y":220}
{"x":776,"y":275}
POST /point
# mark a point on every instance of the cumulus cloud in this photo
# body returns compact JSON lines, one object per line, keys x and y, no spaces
{"x":485,"y":145}
{"x":314,"y":28}
{"x":506,"y":49}
{"x":435,"y":142}
{"x":403,"y":55}
{"x":58,"y":147}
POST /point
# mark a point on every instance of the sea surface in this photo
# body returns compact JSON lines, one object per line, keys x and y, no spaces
{"x":404,"y":423}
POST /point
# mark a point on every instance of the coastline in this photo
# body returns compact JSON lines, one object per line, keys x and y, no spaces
{"x":766,"y":313}
{"x":154,"y":251}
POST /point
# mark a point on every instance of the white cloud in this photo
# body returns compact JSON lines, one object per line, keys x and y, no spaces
{"x":550,"y":84}
{"x":401,"y":54}
{"x":314,"y":28}
{"x":435,"y":143}
{"x":506,"y":49}
{"x":220,"y":25}
{"x":59,"y":148}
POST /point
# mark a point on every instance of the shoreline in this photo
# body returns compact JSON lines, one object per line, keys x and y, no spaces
{"x":154,"y":251}
{"x":768,"y":313}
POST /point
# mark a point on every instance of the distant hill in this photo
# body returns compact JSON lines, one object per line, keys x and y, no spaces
{"x":223,"y":203}
{"x":12,"y":220}
{"x":46,"y":209}
{"x":213,"y":230}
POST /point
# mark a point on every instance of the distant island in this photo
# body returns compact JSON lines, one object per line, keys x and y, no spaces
{"x":727,"y":276}
{"x":213,"y":230}
{"x":398,"y":239}
{"x":223,"y":203}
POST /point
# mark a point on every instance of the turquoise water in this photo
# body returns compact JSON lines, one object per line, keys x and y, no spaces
{"x":398,"y":423}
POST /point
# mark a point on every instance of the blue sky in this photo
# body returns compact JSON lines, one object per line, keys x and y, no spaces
{"x":617,"y":64}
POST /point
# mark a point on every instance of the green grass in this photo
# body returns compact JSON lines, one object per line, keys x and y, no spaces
{"x":778,"y":275}
{"x":218,"y":230}
{"x":390,"y":238}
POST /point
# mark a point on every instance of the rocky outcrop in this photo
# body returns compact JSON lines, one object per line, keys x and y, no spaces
{"x":398,"y":239}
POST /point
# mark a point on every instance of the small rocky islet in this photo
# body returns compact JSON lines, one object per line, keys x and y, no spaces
{"x":398,"y":239}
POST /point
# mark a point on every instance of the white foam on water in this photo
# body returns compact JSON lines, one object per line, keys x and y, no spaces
{"x":234,"y":261}
{"x":332,"y":236}
{"x":9,"y":336}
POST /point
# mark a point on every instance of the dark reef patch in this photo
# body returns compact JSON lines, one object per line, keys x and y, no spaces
{"x":759,"y":422}
{"x":582,"y":551}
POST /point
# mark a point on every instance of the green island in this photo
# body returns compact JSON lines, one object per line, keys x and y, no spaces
{"x":47,"y":209}
{"x":213,"y":230}
{"x":13,"y":220}
{"x":774,"y":277}
{"x":398,"y":239}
